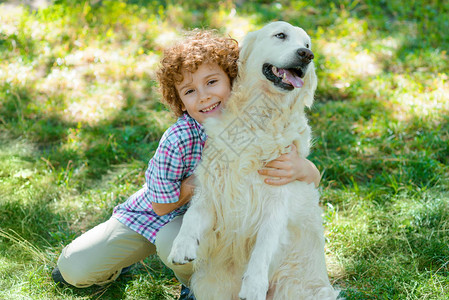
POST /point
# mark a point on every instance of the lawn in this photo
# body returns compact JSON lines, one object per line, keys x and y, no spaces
{"x":80,"y":118}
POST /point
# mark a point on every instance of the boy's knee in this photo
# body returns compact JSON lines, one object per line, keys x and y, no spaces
{"x":81,"y":271}
{"x":182,"y":272}
{"x":73,"y":271}
{"x":166,"y":236}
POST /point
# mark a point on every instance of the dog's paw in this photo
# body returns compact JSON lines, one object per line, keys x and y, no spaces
{"x":253,"y":288}
{"x":183,"y":251}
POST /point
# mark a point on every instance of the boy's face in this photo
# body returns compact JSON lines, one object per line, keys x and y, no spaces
{"x":204,"y":92}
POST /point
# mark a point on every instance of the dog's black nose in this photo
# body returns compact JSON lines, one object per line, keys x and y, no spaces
{"x":305,"y":54}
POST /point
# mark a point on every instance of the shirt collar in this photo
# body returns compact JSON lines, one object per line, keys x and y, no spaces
{"x":198,"y":126}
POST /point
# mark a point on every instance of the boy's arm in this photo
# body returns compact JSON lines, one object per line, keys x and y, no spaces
{"x":285,"y":169}
{"x":185,"y":194}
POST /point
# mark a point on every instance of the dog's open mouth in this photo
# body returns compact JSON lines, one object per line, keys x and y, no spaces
{"x":285,"y":78}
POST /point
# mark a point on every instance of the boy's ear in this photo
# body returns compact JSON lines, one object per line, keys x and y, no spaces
{"x":247,"y":45}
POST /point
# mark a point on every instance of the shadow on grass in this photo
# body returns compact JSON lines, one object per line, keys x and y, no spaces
{"x":129,"y":135}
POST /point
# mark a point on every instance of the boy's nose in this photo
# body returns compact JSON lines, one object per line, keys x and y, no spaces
{"x":204,"y":96}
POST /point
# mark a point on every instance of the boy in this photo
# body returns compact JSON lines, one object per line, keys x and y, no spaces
{"x":195,"y":78}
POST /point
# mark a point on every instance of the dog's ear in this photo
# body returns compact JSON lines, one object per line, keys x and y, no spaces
{"x":247,"y":45}
{"x":310,"y":84}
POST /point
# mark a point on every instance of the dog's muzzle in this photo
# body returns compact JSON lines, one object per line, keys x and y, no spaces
{"x":289,"y":76}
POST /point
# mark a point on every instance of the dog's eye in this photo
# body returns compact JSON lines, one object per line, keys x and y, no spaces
{"x":281,"y":36}
{"x":307,"y":46}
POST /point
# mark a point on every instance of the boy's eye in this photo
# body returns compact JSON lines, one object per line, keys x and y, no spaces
{"x":188,"y":92}
{"x":212,"y":81}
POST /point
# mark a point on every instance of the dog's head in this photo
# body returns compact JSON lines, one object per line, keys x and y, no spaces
{"x":281,"y":55}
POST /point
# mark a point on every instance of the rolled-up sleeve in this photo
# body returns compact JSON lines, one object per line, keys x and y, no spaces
{"x":165,"y":172}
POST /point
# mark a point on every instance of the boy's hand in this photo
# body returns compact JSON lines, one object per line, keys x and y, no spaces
{"x":290,"y":167}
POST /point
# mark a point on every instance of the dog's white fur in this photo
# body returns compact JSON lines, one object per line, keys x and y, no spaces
{"x":237,"y":226}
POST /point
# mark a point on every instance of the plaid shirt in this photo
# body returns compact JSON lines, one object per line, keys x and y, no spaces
{"x":176,"y":157}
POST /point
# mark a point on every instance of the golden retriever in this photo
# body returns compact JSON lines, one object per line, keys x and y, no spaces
{"x":250,"y":240}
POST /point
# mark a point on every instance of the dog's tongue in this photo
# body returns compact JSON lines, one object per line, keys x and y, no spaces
{"x":291,"y":78}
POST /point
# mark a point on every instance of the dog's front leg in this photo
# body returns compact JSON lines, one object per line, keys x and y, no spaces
{"x":197,"y":220}
{"x":255,"y":280}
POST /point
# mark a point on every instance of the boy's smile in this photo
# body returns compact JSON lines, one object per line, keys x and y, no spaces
{"x":204,"y":92}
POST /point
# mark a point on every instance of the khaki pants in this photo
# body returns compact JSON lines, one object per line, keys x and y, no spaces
{"x":99,"y":255}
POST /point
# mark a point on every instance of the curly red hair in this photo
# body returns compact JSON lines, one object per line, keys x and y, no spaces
{"x":199,"y":46}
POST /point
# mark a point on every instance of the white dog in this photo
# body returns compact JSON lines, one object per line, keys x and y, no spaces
{"x":250,"y":240}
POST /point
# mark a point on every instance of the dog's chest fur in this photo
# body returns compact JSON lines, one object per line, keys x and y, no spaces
{"x":252,"y":131}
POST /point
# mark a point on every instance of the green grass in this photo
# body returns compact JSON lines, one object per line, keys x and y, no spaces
{"x":80,"y":118}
